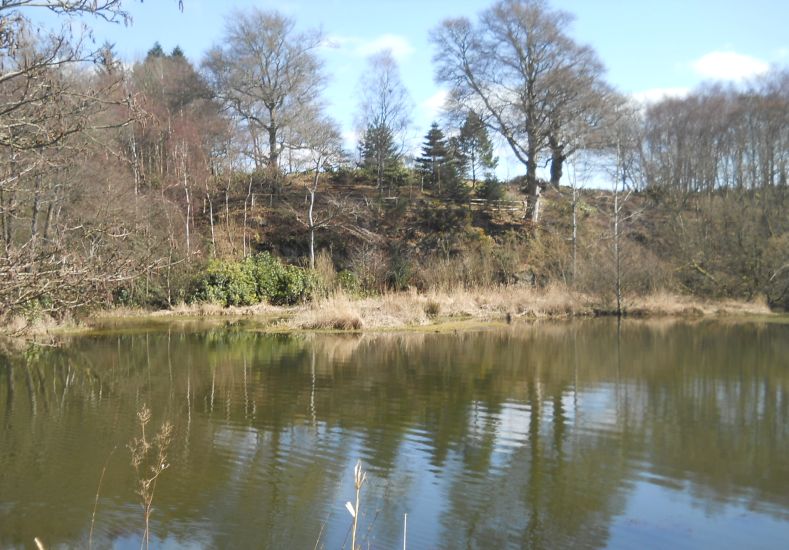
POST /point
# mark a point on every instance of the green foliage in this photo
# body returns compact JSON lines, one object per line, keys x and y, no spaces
{"x":492,"y":189}
{"x":380,"y":156}
{"x":123,"y":296}
{"x":343,"y":175}
{"x":455,"y":187}
{"x":155,"y":51}
{"x":435,"y":155}
{"x":400,"y":269}
{"x":227,"y":283}
{"x":349,"y":282}
{"x":253,"y":280}
{"x":440,"y":218}
{"x":293,"y":285}
{"x":474,"y":149}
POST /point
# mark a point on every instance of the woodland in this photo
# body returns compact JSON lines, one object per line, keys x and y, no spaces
{"x":225,"y":180}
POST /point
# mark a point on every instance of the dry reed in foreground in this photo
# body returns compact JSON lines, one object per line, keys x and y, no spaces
{"x":149,"y":460}
{"x":359,"y":477}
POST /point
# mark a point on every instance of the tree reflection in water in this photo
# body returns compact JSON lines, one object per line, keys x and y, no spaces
{"x":533,"y":436}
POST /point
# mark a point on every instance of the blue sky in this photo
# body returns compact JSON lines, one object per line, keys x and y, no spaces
{"x":649,"y":47}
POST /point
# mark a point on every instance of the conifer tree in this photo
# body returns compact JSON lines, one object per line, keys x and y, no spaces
{"x":379,"y":153}
{"x":474,"y":148}
{"x":155,"y":51}
{"x":435,"y":156}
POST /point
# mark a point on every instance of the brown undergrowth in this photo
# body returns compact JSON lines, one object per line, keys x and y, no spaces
{"x":411,"y":309}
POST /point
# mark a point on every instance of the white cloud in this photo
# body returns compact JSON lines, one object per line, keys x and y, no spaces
{"x":729,"y":66}
{"x":362,"y":47}
{"x":351,"y":139}
{"x":398,"y":45}
{"x":434,"y":105}
{"x":654,"y":95}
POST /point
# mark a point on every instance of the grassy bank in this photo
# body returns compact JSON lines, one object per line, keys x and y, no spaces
{"x":432,"y":310}
{"x":410,"y":309}
{"x":407,"y":310}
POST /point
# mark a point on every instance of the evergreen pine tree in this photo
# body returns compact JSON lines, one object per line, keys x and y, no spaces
{"x":379,"y":155}
{"x":155,"y":51}
{"x":435,"y":156}
{"x":475,"y":149}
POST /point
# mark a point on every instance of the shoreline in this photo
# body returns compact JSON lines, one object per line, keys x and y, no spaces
{"x":407,"y":312}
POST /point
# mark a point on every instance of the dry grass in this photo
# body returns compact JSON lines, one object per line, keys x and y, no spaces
{"x":188,"y":310}
{"x":412,"y":309}
{"x":409,"y":309}
{"x":43,"y":324}
{"x":342,"y":312}
{"x":333,"y":313}
{"x":668,"y":304}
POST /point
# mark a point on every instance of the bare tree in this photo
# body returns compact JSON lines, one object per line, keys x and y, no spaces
{"x":527,"y":79}
{"x":68,"y":234}
{"x":716,"y":163}
{"x":267,"y":75}
{"x":624,"y":138}
{"x":384,"y":110}
{"x":320,"y":146}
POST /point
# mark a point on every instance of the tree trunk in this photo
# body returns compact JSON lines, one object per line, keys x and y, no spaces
{"x":246,"y":201}
{"x":557,"y":162}
{"x":575,"y":229}
{"x":473,"y":169}
{"x":8,"y":206}
{"x":617,"y":255}
{"x":273,"y":150}
{"x":211,"y":221}
{"x":34,"y":214}
{"x":185,"y":183}
{"x":135,"y":163}
{"x":310,"y":217}
{"x":533,"y":188}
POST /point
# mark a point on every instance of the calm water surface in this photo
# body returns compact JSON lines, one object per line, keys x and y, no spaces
{"x":576,"y":435}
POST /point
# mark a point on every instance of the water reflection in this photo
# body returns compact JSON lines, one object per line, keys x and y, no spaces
{"x":567,"y":435}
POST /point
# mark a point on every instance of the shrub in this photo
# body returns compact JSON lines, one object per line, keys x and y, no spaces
{"x":253,"y":280}
{"x":349,"y":282}
{"x":293,"y":285}
{"x":325,"y":274}
{"x":432,"y":308}
{"x":227,"y":283}
{"x":266,"y":271}
{"x":491,"y":189}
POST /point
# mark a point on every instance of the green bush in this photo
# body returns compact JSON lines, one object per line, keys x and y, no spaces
{"x":349,"y":282}
{"x":253,"y":280}
{"x":491,"y":189}
{"x":293,"y":285}
{"x":227,"y":283}
{"x":266,"y":271}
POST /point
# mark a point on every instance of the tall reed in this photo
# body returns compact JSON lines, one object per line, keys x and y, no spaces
{"x":149,"y":460}
{"x":359,"y":477}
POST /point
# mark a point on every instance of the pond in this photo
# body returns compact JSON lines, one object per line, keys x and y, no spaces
{"x":588,"y":434}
